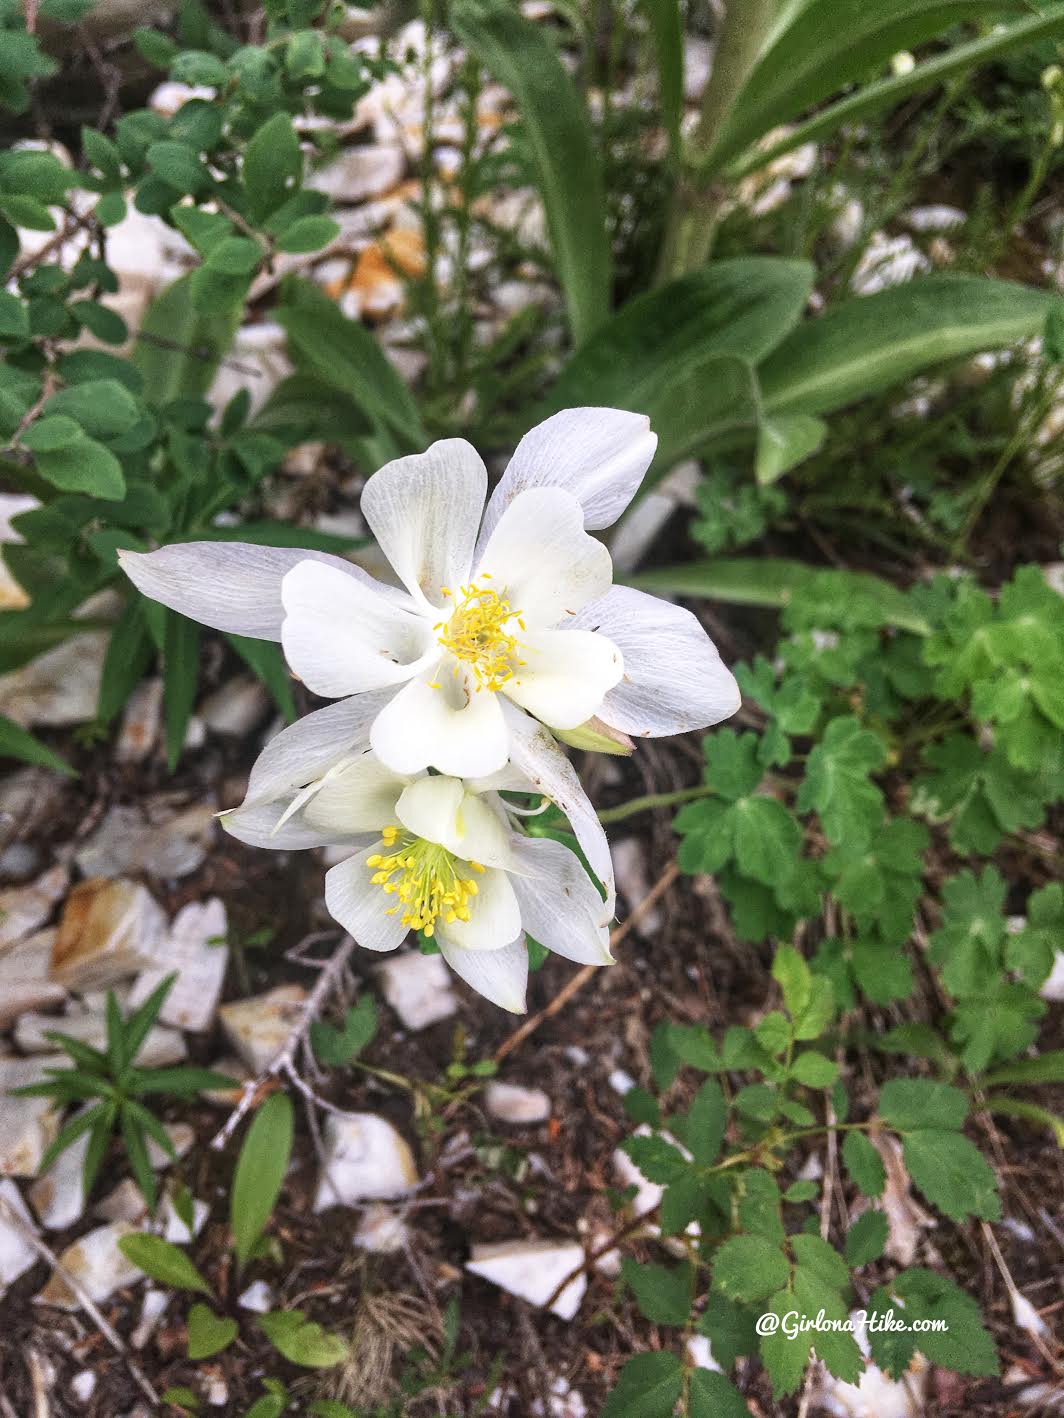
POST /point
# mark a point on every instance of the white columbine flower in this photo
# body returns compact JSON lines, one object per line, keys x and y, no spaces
{"x":507,"y":612}
{"x":429,"y":853}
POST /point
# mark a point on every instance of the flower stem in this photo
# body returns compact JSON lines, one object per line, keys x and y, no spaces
{"x":653,"y":800}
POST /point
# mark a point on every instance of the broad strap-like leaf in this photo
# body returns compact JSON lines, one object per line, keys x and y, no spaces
{"x":520,"y":56}
{"x":825,"y":46}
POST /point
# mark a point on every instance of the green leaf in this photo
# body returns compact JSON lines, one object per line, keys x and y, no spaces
{"x":163,"y":1262}
{"x":865,"y":345}
{"x":738,"y":309}
{"x":260,"y":1172}
{"x":1032,"y":951}
{"x":886,"y":93}
{"x":713,"y":1396}
{"x":970,"y":942}
{"x":14,"y":321}
{"x":814,"y":1070}
{"x":866,"y":1238}
{"x":1048,"y":1067}
{"x":822,"y":48}
{"x":706,"y":1121}
{"x":209,"y":1333}
{"x":179,"y":166}
{"x":909,"y":1103}
{"x":337,"y":1047}
{"x":662,"y":1292}
{"x":17,"y":742}
{"x":345,"y":356}
{"x":647,"y":1387}
{"x":658,"y":1160}
{"x":666,"y":24}
{"x":103,"y":407}
{"x":308,"y":234}
{"x":301,"y":1341}
{"x":82,"y":466}
{"x":519,"y":54}
{"x":784,"y":442}
{"x":749,"y":1268}
{"x":963,"y":1344}
{"x":129,"y":653}
{"x":180,"y":677}
{"x":837,"y":783}
{"x":952,"y":1173}
{"x":864,"y":1164}
{"x":179,"y":346}
{"x":273,"y":165}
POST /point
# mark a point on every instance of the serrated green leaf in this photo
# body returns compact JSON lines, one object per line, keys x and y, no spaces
{"x":663,"y":1292}
{"x":866,"y":1238}
{"x":647,"y":1387}
{"x":952,"y":1173}
{"x":864,"y":1164}
{"x":837,"y":782}
{"x":749,"y":1268}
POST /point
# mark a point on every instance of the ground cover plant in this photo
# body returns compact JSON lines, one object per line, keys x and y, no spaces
{"x":546,"y":509}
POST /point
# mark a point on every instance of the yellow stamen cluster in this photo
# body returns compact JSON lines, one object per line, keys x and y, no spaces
{"x":480,"y":633}
{"x":425,"y":878}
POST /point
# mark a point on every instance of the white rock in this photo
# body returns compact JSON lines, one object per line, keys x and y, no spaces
{"x":358,"y":173}
{"x":1026,"y":1316}
{"x":533,"y":1270}
{"x":227,"y":1097}
{"x":418,"y":988}
{"x":181,"y":1136}
{"x":174,"y":1229}
{"x":258,"y":1298}
{"x":161,"y":845}
{"x":366,"y":1159}
{"x":697,"y":66}
{"x":258,"y":1028}
{"x":511,"y":1103}
{"x":24,"y":982}
{"x":700,"y":1353}
{"x":1053,"y":989}
{"x":563,"y":1401}
{"x":97,"y":1263}
{"x":161,"y":1047}
{"x":152,"y":1309}
{"x":934,"y":218}
{"x":125,"y":1203}
{"x":630,"y":866}
{"x":28,"y":1126}
{"x":200,"y":967}
{"x":108,"y":930}
{"x":217,"y":1391}
{"x":381,"y":1230}
{"x":24,"y":908}
{"x":16,"y":1253}
{"x":141,"y":722}
{"x":83,"y":1385}
{"x":58,"y":1196}
{"x":236,"y":708}
{"x":170,"y":97}
{"x":60,"y":687}
{"x":621,"y":1082}
{"x":874,"y":1395}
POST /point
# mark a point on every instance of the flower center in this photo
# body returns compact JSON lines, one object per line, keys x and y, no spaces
{"x":425,"y":878}
{"x":477,"y":633}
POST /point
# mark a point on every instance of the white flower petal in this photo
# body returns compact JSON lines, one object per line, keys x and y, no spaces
{"x":674,"y":679}
{"x":231,"y":586}
{"x":441,"y":810}
{"x":257,"y":826}
{"x":599,"y":455}
{"x":501,"y":976}
{"x":535,"y":752}
{"x":494,"y":915}
{"x":455,"y":728}
{"x":360,"y":907}
{"x":359,"y":796}
{"x":559,"y":903}
{"x":341,"y":638}
{"x":540,"y":558}
{"x":424,"y":511}
{"x":310,"y":747}
{"x":564,"y":675}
